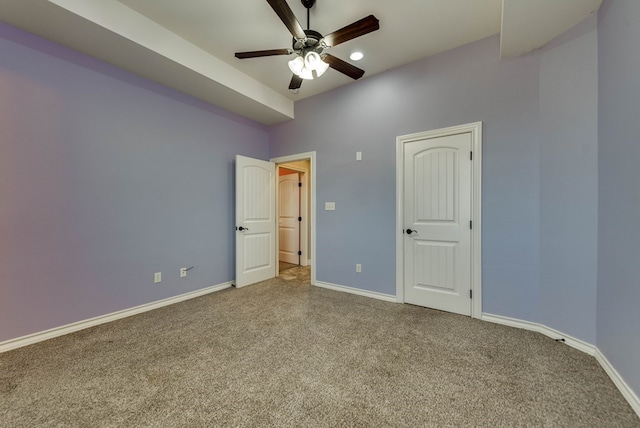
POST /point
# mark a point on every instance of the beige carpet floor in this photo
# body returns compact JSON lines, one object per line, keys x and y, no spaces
{"x":283,"y":353}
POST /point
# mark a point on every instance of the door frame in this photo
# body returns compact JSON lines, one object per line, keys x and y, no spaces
{"x":311,"y":190}
{"x":476,"y":205}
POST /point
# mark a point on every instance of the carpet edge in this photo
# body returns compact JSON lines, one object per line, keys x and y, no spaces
{"x":623,"y":387}
{"x":30,"y":339}
{"x":357,"y":291}
{"x":594,"y":351}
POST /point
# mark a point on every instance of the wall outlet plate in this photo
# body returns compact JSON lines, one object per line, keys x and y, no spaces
{"x":329,"y":206}
{"x":157,"y":277}
{"x":183,"y":272}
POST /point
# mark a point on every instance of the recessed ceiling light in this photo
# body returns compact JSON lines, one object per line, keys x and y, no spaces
{"x":356,"y":56}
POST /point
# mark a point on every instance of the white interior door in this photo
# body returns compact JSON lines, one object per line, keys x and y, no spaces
{"x":437,"y":222}
{"x":255,"y":221}
{"x":289,"y":218}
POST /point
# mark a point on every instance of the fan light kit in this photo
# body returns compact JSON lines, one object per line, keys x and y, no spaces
{"x":311,"y":61}
{"x":356,"y":56}
{"x":307,"y":67}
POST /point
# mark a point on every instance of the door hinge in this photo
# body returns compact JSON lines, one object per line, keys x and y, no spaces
{"x":470,"y":155}
{"x":299,"y":184}
{"x":299,"y":253}
{"x":471,"y":294}
{"x":470,"y":224}
{"x":299,"y":218}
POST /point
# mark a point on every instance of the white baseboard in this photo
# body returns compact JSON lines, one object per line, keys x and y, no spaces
{"x":81,"y":325}
{"x":627,"y":392}
{"x":585,"y":347}
{"x":543,"y":329}
{"x":358,"y":291}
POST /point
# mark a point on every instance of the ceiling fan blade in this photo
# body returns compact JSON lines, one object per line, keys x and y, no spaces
{"x":296,"y":82}
{"x":351,"y":31}
{"x":284,"y":12}
{"x":268,"y":52}
{"x":343,"y":66}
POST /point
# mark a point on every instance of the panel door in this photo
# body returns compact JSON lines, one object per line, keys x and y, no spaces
{"x":255,"y":221}
{"x":437,"y":211}
{"x":288,"y":218}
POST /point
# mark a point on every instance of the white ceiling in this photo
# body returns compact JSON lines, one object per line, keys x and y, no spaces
{"x":409,"y":30}
{"x":189,"y":45}
{"x":528,"y":24}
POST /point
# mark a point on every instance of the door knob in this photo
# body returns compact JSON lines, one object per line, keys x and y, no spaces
{"x":410,"y":231}
{"x":242,"y":228}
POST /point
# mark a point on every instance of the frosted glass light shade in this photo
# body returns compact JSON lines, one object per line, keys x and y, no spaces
{"x":296,"y":65}
{"x":321,"y":67}
{"x":306,"y":74}
{"x":309,"y":66}
{"x":311,"y":60}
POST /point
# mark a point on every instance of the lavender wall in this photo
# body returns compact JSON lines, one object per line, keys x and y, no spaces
{"x":569,"y":181}
{"x":106,"y":178}
{"x":539,"y":172}
{"x":464,"y":85}
{"x":619,"y":188}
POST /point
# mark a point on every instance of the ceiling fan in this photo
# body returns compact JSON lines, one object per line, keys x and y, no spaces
{"x":309,"y":45}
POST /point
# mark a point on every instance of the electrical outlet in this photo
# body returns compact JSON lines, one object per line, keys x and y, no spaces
{"x":157,"y":277}
{"x":358,"y":268}
{"x":329,"y":206}
{"x":183,"y":272}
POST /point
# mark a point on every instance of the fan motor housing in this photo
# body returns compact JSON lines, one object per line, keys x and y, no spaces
{"x":308,"y":3}
{"x":311,"y":43}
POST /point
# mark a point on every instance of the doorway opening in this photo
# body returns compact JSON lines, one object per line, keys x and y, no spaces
{"x":295,"y":217}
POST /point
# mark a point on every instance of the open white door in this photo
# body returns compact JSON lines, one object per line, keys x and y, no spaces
{"x":255,"y":221}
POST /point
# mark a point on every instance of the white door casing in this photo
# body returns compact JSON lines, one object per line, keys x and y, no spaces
{"x":438,"y":196}
{"x":255,"y":221}
{"x":308,"y":182}
{"x":288,"y":215}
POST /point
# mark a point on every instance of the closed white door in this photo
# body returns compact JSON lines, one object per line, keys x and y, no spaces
{"x":437,"y":222}
{"x":255,"y":220}
{"x":289,"y":218}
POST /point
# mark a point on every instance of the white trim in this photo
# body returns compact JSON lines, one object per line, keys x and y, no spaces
{"x":578,"y":344}
{"x":102,"y":319}
{"x":476,"y":217}
{"x":543,"y":329}
{"x":625,"y":390}
{"x":312,"y":215}
{"x":476,"y":208}
{"x":304,"y":224}
{"x":358,"y":291}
